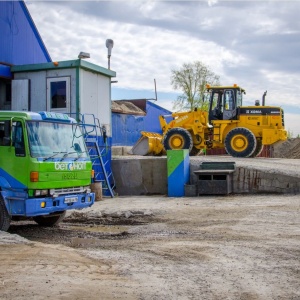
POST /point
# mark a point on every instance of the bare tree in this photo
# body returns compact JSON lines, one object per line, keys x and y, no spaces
{"x":191,"y":79}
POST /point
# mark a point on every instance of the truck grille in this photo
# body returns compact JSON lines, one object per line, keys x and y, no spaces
{"x":70,"y":190}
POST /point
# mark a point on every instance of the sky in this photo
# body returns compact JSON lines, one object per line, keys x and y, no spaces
{"x":254,"y":44}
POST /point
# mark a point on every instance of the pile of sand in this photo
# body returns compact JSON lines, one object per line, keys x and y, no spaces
{"x":287,"y":149}
{"x":125,"y":107}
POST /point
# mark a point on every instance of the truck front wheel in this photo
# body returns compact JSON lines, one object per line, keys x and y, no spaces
{"x":240,"y":142}
{"x":50,"y":220}
{"x":4,"y":216}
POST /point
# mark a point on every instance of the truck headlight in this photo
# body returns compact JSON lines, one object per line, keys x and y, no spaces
{"x":41,"y":192}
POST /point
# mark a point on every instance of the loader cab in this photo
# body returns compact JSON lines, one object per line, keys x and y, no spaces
{"x":224,"y":102}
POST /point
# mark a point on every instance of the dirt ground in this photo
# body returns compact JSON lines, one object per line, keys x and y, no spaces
{"x":228,"y":247}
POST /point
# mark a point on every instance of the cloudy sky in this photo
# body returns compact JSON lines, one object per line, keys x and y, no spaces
{"x":255,"y":44}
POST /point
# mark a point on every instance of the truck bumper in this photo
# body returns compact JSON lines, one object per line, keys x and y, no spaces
{"x":30,"y":207}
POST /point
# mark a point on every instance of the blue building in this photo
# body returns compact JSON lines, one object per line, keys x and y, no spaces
{"x":20,"y":43}
{"x":127,"y":124}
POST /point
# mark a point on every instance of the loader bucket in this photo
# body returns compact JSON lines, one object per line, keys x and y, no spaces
{"x":148,"y":144}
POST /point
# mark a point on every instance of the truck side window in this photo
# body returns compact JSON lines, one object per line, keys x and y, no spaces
{"x":18,"y":139}
{"x":5,"y":133}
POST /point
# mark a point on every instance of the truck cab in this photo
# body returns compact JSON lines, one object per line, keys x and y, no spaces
{"x":45,"y":168}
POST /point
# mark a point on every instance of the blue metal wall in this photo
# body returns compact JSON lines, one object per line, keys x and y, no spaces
{"x":20,"y":42}
{"x":126,"y":129}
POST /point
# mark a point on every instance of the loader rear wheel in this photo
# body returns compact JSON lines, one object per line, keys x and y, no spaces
{"x":178,"y":138}
{"x":50,"y":220}
{"x":240,"y":142}
{"x":258,"y":149}
{"x":4,"y":216}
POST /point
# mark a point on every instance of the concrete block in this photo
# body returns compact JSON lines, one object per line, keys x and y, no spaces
{"x":178,"y":171}
{"x":97,"y":189}
{"x":140,"y":176}
{"x":117,"y":150}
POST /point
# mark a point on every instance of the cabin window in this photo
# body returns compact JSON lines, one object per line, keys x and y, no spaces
{"x":58,"y":94}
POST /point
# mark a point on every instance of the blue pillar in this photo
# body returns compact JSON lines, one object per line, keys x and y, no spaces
{"x":178,"y":166}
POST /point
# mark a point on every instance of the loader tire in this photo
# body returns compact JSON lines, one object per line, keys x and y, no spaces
{"x":50,"y":220}
{"x":177,"y":139}
{"x":240,"y":142}
{"x":259,"y":148}
{"x":4,"y":216}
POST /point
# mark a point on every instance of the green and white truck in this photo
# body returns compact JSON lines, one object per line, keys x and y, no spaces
{"x":45,"y":168}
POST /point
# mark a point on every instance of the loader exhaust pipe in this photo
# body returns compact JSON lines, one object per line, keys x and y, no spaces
{"x":264,"y":98}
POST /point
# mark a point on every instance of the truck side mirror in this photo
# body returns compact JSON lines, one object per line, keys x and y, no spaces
{"x":77,"y":148}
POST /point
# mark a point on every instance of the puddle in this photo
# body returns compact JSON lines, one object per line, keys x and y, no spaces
{"x":100,"y":228}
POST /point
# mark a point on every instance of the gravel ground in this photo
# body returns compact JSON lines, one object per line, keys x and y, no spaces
{"x":228,"y":247}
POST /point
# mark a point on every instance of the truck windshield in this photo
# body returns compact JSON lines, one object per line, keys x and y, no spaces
{"x":58,"y":140}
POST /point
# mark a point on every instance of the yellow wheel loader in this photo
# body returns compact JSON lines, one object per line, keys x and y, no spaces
{"x":241,"y":130}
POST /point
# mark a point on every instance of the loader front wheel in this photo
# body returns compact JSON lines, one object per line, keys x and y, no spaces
{"x":240,"y":142}
{"x":4,"y":216}
{"x":50,"y":220}
{"x":259,"y":148}
{"x":177,"y":139}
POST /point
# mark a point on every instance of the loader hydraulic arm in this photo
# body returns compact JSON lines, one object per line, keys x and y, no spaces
{"x":163,"y":123}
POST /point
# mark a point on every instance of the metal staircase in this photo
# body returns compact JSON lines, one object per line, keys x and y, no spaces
{"x":99,"y":152}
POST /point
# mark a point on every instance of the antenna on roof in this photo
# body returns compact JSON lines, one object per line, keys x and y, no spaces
{"x":155,"y":99}
{"x":109,"y":46}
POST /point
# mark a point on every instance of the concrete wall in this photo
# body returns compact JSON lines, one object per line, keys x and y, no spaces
{"x":258,"y":180}
{"x":148,"y":175}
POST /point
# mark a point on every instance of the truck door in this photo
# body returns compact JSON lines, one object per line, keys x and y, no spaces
{"x":13,"y":158}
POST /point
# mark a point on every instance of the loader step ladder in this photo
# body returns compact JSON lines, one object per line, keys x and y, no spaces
{"x":93,"y":131}
{"x":217,"y":133}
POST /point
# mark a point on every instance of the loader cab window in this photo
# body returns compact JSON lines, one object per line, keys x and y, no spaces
{"x":216,"y":107}
{"x":228,"y":100}
{"x":239,"y":98}
{"x":229,"y":105}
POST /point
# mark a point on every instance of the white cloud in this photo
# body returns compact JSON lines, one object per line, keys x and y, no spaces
{"x":140,"y":53}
